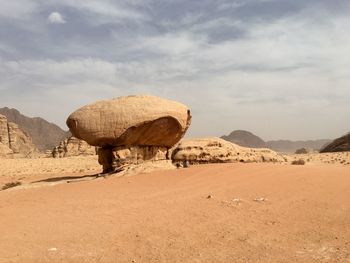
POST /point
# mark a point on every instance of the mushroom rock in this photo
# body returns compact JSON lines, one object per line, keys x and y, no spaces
{"x":130,"y":130}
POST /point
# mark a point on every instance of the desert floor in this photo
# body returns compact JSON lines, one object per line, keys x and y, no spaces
{"x":207,"y":213}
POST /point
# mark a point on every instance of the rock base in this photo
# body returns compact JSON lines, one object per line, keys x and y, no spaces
{"x":116,"y":159}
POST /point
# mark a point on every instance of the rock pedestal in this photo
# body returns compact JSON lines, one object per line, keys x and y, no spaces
{"x":114,"y":159}
{"x":130,"y":130}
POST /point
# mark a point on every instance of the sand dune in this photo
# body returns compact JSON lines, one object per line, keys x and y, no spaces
{"x":255,"y":213}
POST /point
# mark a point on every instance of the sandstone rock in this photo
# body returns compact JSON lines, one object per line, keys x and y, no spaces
{"x":131,"y":121}
{"x":15,"y":142}
{"x":5,"y":151}
{"x":4,"y":131}
{"x":341,"y":144}
{"x":73,"y":147}
{"x":217,"y":150}
{"x":116,"y":158}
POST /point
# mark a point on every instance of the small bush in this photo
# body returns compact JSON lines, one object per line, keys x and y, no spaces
{"x":10,"y":185}
{"x":298,"y":162}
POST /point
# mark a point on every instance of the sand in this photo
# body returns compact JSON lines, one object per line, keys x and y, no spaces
{"x":254,"y":213}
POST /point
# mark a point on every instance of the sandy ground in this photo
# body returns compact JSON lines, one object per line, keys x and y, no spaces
{"x":255,"y":213}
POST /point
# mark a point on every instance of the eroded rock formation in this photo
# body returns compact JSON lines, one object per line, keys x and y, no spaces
{"x":73,"y":147}
{"x":217,"y":150}
{"x":131,"y":130}
{"x":14,"y":142}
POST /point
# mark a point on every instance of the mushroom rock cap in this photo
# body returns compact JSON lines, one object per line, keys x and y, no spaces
{"x":131,"y":120}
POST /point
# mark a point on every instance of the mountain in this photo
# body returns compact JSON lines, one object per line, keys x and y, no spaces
{"x":292,"y":146}
{"x":245,"y":138}
{"x":14,"y":141}
{"x":341,"y":144}
{"x":248,"y":139}
{"x":45,"y":135}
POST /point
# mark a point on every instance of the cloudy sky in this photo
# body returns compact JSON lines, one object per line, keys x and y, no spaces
{"x":278,"y":68}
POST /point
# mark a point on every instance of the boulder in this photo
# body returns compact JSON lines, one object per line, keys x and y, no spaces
{"x":73,"y":147}
{"x":217,"y":150}
{"x":131,"y":121}
{"x":131,"y":130}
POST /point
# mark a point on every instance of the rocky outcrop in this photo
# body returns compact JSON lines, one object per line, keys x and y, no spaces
{"x":341,"y":144}
{"x":302,"y":151}
{"x":45,"y":135}
{"x":217,"y":150}
{"x":73,"y":147}
{"x":120,"y":157}
{"x":15,"y":142}
{"x":132,"y":120}
{"x":131,"y":130}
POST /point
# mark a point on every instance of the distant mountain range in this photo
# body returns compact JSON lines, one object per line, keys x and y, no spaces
{"x":248,"y":139}
{"x":45,"y":135}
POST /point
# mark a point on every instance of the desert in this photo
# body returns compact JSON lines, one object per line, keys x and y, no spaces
{"x":235,"y":212}
{"x":174,"y":131}
{"x":165,"y":198}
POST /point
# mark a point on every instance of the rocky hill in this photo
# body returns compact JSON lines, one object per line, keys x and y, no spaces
{"x":248,"y":139}
{"x":341,"y":144}
{"x":245,"y":139}
{"x":45,"y":135}
{"x":14,"y":142}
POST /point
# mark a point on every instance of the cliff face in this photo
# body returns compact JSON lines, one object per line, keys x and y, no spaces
{"x":14,"y":142}
{"x":45,"y":135}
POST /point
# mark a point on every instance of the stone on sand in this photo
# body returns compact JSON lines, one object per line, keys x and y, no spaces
{"x":217,"y":150}
{"x":131,"y":130}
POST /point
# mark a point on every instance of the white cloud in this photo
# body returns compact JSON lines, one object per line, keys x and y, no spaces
{"x":56,"y":18}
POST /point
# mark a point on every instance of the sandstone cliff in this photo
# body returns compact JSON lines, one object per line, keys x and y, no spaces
{"x":14,"y":142}
{"x":45,"y":135}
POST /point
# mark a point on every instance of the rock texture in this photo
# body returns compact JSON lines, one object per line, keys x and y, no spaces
{"x":341,"y":144}
{"x":73,"y":147}
{"x":45,"y":135}
{"x":245,"y":138}
{"x":14,"y":141}
{"x":131,"y":130}
{"x":132,"y":120}
{"x":118,"y":158}
{"x":217,"y":150}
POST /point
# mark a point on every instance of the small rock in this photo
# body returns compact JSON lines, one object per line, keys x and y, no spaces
{"x":52,"y":249}
{"x":209,"y":196}
{"x":260,"y":199}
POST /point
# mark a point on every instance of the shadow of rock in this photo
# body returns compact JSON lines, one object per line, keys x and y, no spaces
{"x":66,"y":178}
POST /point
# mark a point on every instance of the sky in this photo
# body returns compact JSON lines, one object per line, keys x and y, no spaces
{"x":277,"y":68}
